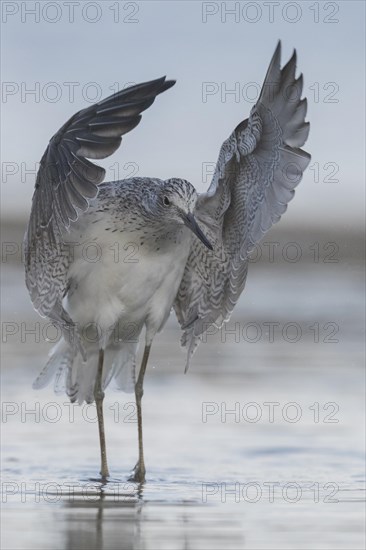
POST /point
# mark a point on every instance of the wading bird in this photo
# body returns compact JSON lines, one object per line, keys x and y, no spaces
{"x":191,"y":250}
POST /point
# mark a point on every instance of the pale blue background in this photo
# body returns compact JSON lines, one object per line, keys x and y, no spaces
{"x":180,"y":131}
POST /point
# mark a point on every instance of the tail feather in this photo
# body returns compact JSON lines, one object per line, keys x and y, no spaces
{"x":60,"y":360}
{"x":59,"y":384}
{"x":76,"y":377}
{"x":124,"y":367}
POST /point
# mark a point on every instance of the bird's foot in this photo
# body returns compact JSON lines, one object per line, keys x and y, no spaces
{"x":138,"y":473}
{"x":104,"y":476}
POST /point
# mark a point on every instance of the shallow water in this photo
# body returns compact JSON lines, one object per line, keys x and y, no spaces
{"x":259,"y":446}
{"x":214,"y":479}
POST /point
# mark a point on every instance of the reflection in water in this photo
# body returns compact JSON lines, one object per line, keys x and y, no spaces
{"x":100,"y":515}
{"x":101,"y":524}
{"x":110,"y":525}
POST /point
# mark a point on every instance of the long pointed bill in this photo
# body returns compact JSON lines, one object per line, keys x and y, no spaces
{"x":190,"y":222}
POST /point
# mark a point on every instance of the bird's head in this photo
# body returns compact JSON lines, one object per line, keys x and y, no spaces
{"x":177,"y":201}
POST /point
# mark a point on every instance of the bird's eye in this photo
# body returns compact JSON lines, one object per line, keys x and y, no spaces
{"x":166,"y":201}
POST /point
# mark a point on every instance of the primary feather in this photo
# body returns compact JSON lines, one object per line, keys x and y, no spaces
{"x":257,"y":171}
{"x":66,"y":181}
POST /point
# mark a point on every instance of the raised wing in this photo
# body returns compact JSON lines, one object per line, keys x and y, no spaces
{"x":66,"y":181}
{"x":258,"y":168}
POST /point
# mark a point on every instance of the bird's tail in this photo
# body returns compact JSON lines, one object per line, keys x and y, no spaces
{"x":76,"y":377}
{"x":58,"y":366}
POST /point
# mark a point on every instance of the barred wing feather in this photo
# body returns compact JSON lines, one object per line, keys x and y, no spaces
{"x":66,"y":181}
{"x":257,"y":171}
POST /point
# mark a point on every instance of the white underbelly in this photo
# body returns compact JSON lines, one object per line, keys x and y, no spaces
{"x":133,"y":285}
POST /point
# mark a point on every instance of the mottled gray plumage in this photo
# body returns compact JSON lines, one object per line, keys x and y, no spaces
{"x":66,"y":181}
{"x":257,"y":171}
{"x":258,"y":167}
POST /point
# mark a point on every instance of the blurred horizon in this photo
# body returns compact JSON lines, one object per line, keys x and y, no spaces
{"x":219,"y":66}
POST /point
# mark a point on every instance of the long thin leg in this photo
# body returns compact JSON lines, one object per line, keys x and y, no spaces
{"x":139,"y":471}
{"x":99,"y":397}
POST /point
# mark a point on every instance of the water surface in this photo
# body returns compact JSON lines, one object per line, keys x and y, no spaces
{"x":259,"y":446}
